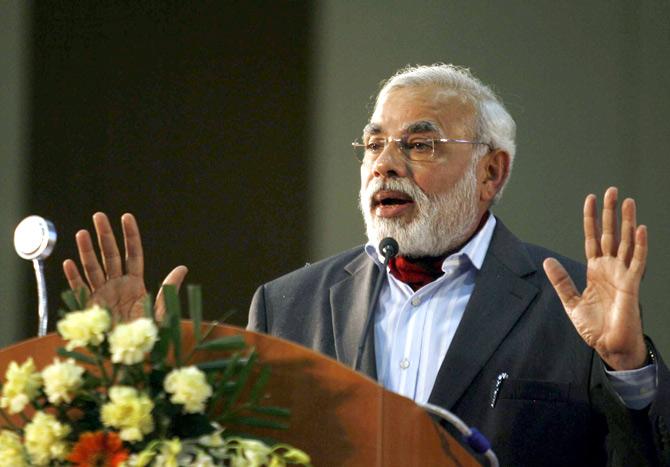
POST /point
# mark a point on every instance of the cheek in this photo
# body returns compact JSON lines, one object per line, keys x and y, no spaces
{"x":434,"y":182}
{"x":365,"y":175}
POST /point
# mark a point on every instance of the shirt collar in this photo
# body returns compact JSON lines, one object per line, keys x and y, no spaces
{"x":475,"y":250}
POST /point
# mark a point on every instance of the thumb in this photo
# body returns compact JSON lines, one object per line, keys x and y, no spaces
{"x":561,"y":281}
{"x":176,"y":277}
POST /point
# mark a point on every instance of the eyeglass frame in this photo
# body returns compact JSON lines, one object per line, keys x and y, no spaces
{"x":403,"y":145}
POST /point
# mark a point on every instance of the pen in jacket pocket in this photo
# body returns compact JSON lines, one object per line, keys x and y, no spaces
{"x":496,"y":388}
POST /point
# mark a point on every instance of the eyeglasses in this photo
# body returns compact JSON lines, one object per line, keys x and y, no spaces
{"x":413,"y":148}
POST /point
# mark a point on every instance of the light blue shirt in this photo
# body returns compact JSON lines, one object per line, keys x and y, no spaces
{"x":413,"y":330}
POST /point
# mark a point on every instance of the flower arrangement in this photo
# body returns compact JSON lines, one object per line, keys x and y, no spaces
{"x":123,"y":394}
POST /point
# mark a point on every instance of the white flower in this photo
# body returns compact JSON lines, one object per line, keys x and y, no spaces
{"x":128,"y":411}
{"x":129,"y":342}
{"x":87,"y":327}
{"x":250,"y":453}
{"x":45,"y":439}
{"x":22,"y":384}
{"x":62,"y":380}
{"x":12,"y":453}
{"x":189,"y":387}
{"x":203,"y":460}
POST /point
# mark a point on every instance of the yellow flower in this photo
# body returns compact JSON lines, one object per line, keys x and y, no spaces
{"x":86,"y":327}
{"x":143,"y":459}
{"x":62,"y":380}
{"x":11,"y":450}
{"x":189,"y":387}
{"x":128,"y":411}
{"x":130,"y":341}
{"x":45,"y":439}
{"x":22,"y":384}
{"x":168,"y":453}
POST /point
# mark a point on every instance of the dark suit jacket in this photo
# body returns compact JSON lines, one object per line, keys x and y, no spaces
{"x":556,"y":408}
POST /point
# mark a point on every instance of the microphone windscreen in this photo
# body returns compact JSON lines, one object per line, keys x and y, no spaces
{"x":389,"y":247}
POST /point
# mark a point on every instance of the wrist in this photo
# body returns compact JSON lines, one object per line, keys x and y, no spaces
{"x":641,"y":357}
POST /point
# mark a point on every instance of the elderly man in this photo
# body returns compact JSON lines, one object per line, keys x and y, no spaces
{"x":468,"y":317}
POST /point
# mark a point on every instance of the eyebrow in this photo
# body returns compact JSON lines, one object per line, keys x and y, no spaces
{"x":422,"y":126}
{"x":372,"y":129}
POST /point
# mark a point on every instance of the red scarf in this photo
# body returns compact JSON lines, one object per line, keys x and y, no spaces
{"x":416,"y":272}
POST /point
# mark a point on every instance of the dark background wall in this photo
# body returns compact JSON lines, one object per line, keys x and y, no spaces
{"x":192,"y":116}
{"x":225,"y":126}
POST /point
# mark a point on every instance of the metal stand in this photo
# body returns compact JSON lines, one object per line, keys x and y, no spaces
{"x":43,"y":308}
{"x":34,"y":239}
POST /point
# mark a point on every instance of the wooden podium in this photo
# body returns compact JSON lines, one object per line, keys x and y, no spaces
{"x":338,"y":416}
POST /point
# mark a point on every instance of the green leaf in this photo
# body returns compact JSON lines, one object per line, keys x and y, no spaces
{"x":80,"y":357}
{"x":91,"y":382}
{"x":83,"y":298}
{"x":259,"y":385}
{"x":225,"y":386}
{"x":256,"y":422}
{"x":223,"y":343}
{"x":161,"y":347}
{"x":173,"y":319}
{"x":220,"y":364}
{"x":70,"y":300}
{"x":195,"y":309}
{"x":273,"y":411}
{"x":148,"y":306}
{"x":242,"y":379}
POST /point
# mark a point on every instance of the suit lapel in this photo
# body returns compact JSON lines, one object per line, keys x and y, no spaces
{"x":501,"y":295}
{"x":349,"y":302}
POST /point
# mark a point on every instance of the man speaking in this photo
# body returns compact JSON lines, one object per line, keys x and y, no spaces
{"x":466,"y":318}
{"x":545,"y":356}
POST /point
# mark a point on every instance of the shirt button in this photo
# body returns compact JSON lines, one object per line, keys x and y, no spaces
{"x":404,"y":364}
{"x":416,"y":301}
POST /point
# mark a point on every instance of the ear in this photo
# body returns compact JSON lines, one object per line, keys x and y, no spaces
{"x":494,"y":171}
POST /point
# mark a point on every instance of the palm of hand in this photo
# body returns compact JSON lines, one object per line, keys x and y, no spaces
{"x":126,"y":295}
{"x":607,"y":313}
{"x":608,"y":308}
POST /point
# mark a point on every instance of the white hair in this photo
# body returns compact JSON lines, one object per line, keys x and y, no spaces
{"x":494,"y":125}
{"x":442,"y":221}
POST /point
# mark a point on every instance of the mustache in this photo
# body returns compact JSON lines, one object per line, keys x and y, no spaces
{"x":402,"y":185}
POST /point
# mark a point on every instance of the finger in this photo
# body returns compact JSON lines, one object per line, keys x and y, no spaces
{"x":176,"y":277}
{"x":111,"y":259}
{"x":591,"y":244}
{"x":73,"y":277}
{"x":89,"y":260}
{"x":562,"y":283}
{"x":639,"y":261}
{"x":133,"y":245}
{"x":628,"y":226}
{"x":608,"y":241}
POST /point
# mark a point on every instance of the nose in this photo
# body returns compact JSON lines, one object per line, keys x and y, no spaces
{"x":391,"y":162}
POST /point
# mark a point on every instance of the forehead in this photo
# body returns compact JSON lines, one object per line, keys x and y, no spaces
{"x":425,"y":109}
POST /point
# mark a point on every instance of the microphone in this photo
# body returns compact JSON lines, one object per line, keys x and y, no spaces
{"x":34,"y":239}
{"x":388,"y":248}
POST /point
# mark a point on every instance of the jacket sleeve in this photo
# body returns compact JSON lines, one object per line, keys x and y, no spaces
{"x":635,"y":437}
{"x":257,"y":312}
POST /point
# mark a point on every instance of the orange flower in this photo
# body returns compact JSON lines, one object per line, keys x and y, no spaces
{"x":98,"y":449}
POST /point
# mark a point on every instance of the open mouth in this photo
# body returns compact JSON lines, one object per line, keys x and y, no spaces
{"x":390,"y":198}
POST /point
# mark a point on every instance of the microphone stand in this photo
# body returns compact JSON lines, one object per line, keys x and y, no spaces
{"x":388,"y":248}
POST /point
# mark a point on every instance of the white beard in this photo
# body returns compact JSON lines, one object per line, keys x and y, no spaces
{"x":442,"y":221}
